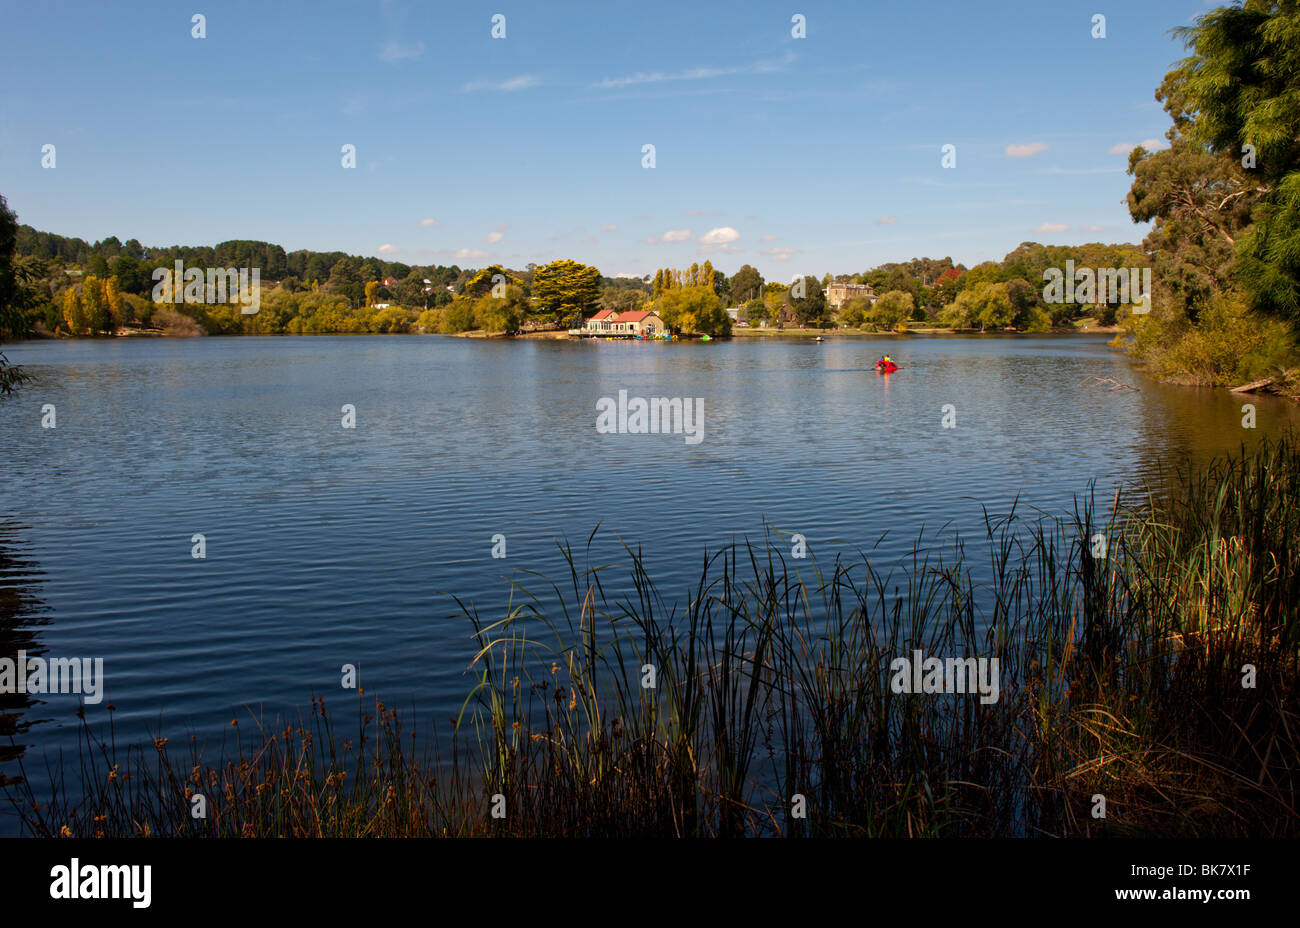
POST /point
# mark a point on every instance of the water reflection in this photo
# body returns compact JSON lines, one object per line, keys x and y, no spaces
{"x":22,"y":613}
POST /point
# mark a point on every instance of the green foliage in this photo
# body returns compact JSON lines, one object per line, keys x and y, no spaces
{"x":1269,"y":265}
{"x":811,"y":308}
{"x":746,"y":284}
{"x":693,"y":310}
{"x":564,"y":290}
{"x":1229,"y":343}
{"x":891,"y":309}
{"x":1224,"y":200}
{"x":503,"y":315}
{"x":622,"y":299}
{"x":482,"y":282}
{"x":855,"y":312}
{"x":458,"y":316}
{"x":983,"y":306}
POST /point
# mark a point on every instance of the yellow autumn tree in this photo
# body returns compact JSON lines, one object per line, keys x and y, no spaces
{"x":74,"y":315}
{"x":113,"y":300}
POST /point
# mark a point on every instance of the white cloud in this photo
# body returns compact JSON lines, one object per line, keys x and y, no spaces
{"x":503,"y":227}
{"x":1025,"y":151}
{"x":1123,"y":148}
{"x":768,"y":238}
{"x":609,"y":227}
{"x":470,"y":253}
{"x":428,"y":222}
{"x":494,"y":237}
{"x":779,"y":254}
{"x":695,"y":74}
{"x":396,"y":51}
{"x":388,"y":249}
{"x":720,"y":236}
{"x":1052,"y":228}
{"x":590,"y":239}
{"x":673,"y":235}
{"x":886,"y":220}
{"x":1093,"y":228}
{"x":522,"y":82}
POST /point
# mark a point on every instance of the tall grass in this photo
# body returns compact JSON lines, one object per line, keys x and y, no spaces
{"x":763,"y":705}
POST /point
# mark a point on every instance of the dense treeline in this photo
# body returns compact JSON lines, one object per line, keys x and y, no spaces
{"x":1224,"y":200}
{"x":77,"y":288}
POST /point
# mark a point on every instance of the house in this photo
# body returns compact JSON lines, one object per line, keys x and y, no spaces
{"x":389,"y":281}
{"x":640,"y":322}
{"x":837,"y":294}
{"x":622,"y":325}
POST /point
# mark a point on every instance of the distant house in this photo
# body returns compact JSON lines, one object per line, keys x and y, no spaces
{"x":622,"y":325}
{"x":641,"y":322}
{"x":837,"y":294}
{"x":389,"y":281}
{"x":383,"y":305}
{"x":734,"y":313}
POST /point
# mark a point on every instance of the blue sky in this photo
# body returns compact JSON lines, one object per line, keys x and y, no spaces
{"x":794,"y":155}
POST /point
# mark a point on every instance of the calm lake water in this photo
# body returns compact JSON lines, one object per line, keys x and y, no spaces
{"x":328,"y":545}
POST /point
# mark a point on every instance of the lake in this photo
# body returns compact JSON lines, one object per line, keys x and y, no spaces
{"x":328,"y":545}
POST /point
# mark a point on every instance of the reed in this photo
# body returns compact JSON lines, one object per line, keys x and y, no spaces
{"x":762,"y":705}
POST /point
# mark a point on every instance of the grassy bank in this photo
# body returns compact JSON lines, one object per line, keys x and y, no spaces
{"x":1163,"y":678}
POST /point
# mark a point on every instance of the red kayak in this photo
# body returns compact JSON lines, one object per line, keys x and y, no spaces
{"x":887,"y":368}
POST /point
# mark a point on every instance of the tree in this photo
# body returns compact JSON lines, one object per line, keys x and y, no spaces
{"x":622,"y":299}
{"x":501,"y":314}
{"x":13,"y":322}
{"x":483,"y":282}
{"x":1235,"y":98}
{"x":994,"y":309}
{"x":74,"y":315}
{"x":756,"y":312}
{"x":855,"y":311}
{"x":371,"y":289}
{"x":1199,"y":205}
{"x":565,"y":289}
{"x":809,"y":309}
{"x":891,"y":309}
{"x":746,"y":284}
{"x":458,"y":316}
{"x":98,"y":317}
{"x":693,"y":310}
{"x":118,"y":310}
